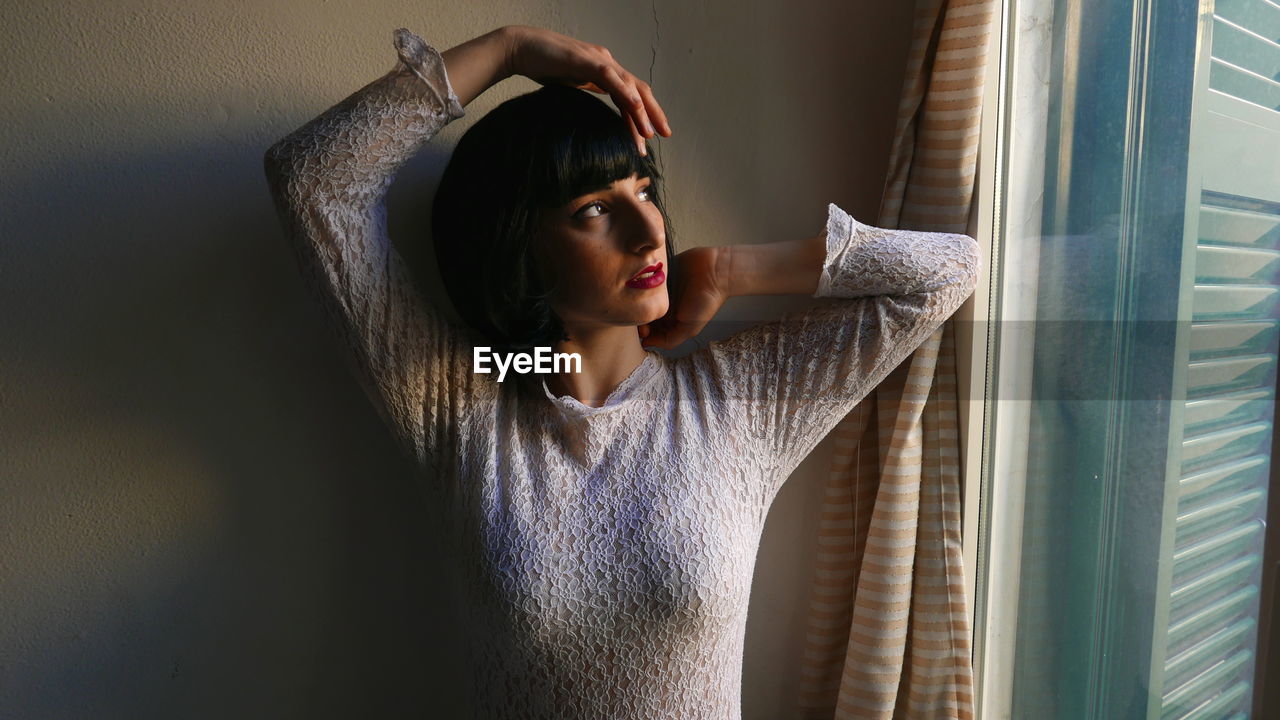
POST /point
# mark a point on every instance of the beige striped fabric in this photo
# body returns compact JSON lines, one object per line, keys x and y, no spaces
{"x":888,"y":632}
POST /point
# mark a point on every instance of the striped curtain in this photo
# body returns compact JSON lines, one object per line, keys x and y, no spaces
{"x":888,"y":629}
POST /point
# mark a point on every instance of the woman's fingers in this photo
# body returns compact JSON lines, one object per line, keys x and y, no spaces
{"x":549,"y":57}
{"x":657,"y":335}
{"x":653,"y":108}
{"x":635,"y":135}
{"x":643,"y":107}
{"x":634,"y":99}
{"x":629,"y":102}
{"x":669,"y":335}
{"x":654,"y":341}
{"x":665,"y":340}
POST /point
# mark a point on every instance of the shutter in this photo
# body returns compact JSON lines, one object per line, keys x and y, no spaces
{"x":1246,"y":51}
{"x":1233,"y":339}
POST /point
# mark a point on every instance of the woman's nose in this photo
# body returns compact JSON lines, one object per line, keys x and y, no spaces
{"x":645,"y":227}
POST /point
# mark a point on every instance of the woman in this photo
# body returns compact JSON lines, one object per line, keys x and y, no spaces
{"x":609,"y":518}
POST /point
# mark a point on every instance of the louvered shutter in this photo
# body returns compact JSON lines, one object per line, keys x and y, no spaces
{"x":1232,"y":341}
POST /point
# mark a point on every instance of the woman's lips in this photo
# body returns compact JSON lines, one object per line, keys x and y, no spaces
{"x":645,"y":281}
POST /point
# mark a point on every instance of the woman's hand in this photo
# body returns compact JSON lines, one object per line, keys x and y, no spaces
{"x":549,"y":57}
{"x":696,"y":292}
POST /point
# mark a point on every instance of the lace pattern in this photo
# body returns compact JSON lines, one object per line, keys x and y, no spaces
{"x":609,"y":550}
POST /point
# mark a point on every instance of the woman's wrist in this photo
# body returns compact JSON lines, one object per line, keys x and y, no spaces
{"x":781,"y":268}
{"x":480,"y":63}
{"x":724,"y":270}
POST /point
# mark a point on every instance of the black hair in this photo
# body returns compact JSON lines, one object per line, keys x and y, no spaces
{"x":532,"y":153}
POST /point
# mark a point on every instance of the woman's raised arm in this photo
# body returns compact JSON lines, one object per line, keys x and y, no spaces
{"x":793,"y":379}
{"x":329,"y":179}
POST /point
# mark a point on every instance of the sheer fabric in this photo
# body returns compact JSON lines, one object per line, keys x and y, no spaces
{"x":609,"y":550}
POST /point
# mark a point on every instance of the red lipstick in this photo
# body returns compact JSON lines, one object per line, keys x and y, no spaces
{"x":645,"y":282}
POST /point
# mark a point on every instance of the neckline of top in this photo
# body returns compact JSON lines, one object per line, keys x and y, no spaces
{"x":626,"y":390}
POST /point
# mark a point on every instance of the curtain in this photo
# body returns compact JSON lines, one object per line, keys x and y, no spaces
{"x":888,"y":629}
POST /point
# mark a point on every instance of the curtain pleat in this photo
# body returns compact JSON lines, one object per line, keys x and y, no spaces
{"x":888,"y":629}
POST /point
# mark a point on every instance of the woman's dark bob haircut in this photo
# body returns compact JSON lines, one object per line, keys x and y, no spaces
{"x":532,"y":153}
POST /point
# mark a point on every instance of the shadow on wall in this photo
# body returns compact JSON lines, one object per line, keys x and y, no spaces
{"x":203,"y":515}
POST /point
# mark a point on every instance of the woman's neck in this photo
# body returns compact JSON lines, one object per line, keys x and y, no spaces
{"x":609,"y":356}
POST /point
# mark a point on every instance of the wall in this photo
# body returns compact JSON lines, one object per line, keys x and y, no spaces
{"x":201,"y":515}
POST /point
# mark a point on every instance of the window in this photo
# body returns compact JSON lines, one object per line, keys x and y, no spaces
{"x":1132,"y":377}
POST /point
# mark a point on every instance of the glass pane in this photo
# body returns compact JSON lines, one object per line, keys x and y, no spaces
{"x":1155,"y":326}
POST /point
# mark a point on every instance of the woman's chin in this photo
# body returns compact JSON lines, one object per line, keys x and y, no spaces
{"x":659,"y":310}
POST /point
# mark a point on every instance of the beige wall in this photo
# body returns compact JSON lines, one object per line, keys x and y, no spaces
{"x":201,"y":516}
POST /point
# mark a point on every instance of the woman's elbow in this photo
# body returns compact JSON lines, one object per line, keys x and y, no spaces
{"x":972,"y":262}
{"x":276,"y":162}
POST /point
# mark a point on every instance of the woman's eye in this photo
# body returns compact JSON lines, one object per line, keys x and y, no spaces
{"x":584,"y":211}
{"x":587,"y":207}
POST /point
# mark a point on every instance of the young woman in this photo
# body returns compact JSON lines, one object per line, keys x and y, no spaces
{"x":609,"y":518}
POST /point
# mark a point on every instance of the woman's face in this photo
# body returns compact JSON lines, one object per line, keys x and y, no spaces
{"x":589,"y":248}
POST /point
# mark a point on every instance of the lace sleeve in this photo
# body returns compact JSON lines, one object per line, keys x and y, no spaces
{"x":791,"y":381}
{"x":329,"y":180}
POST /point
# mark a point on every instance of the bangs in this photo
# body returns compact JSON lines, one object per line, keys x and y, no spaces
{"x":586,"y":155}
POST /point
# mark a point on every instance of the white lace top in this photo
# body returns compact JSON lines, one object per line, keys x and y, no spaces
{"x":609,"y":550}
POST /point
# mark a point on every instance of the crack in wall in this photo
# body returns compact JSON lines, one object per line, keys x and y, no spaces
{"x":657,"y":40}
{"x":653,"y":59}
